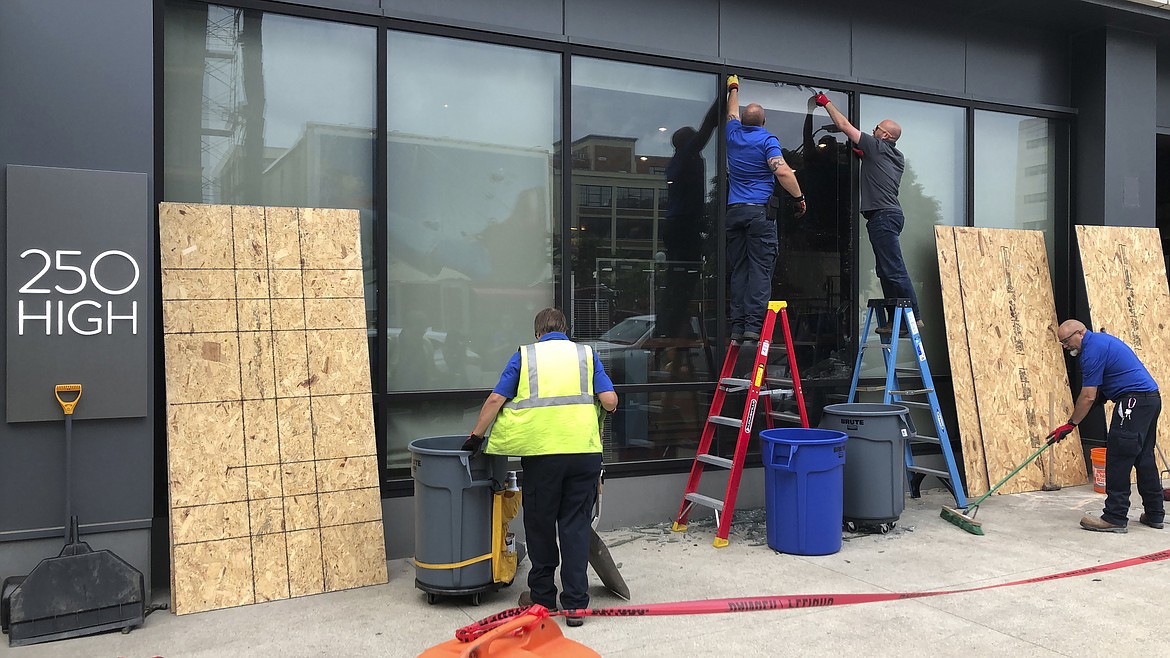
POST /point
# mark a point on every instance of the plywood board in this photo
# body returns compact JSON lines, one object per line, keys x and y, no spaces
{"x":970,"y":433}
{"x":1125,"y":280}
{"x":273,"y":475}
{"x":1017,"y":366}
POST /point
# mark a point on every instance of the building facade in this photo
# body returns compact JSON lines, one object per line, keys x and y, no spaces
{"x":445,"y":125}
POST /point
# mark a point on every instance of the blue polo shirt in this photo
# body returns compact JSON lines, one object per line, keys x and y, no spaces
{"x":509,"y":382}
{"x":749,"y":180}
{"x":1111,"y":365}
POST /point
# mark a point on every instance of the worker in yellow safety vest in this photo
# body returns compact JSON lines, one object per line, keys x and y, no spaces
{"x":544,"y":410}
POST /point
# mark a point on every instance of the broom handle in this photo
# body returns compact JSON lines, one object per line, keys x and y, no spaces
{"x":1009,"y":476}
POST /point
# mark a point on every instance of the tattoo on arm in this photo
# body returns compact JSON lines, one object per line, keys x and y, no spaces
{"x":775,"y":163}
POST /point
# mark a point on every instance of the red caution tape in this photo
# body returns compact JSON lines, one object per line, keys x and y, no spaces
{"x":757,"y":603}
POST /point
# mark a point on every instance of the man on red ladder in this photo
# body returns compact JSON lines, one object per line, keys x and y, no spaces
{"x":754,"y":158}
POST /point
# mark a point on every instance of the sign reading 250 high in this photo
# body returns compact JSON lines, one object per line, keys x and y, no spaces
{"x":77,"y":293}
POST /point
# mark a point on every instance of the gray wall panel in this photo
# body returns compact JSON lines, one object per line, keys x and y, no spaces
{"x":82,"y":96}
{"x":357,"y":6}
{"x":1164,"y":84}
{"x":1130,"y":92}
{"x":1017,"y":63}
{"x":682,"y":26}
{"x":918,"y":49}
{"x":790,"y":35}
{"x":512,"y":16}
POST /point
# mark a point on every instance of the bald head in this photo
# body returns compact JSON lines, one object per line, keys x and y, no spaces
{"x":1070,"y":326}
{"x":753,"y":115}
{"x":891,"y":129}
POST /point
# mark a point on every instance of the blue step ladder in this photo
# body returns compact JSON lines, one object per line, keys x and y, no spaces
{"x":894,"y":393}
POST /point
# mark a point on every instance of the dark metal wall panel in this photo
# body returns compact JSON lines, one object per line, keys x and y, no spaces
{"x":688,"y":27}
{"x":512,"y":16}
{"x":357,"y":6}
{"x":1018,"y":64}
{"x":789,"y":35}
{"x":82,"y":96}
{"x":1088,"y":90}
{"x":1164,"y":84}
{"x":913,"y":46}
{"x":1130,"y":92}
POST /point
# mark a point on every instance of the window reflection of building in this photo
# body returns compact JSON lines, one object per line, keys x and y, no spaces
{"x":1033,"y":189}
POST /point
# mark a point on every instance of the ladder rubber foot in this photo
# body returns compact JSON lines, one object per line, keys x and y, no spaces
{"x":720,"y":543}
{"x":677,"y":527}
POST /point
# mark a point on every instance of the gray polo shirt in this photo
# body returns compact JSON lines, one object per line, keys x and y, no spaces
{"x":881,"y":173}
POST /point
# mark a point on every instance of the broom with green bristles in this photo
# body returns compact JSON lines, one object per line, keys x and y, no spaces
{"x":964,"y":517}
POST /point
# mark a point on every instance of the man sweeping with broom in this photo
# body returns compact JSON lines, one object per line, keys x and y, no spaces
{"x":1110,"y":367}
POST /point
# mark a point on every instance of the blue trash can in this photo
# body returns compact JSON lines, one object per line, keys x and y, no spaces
{"x":803,"y":489}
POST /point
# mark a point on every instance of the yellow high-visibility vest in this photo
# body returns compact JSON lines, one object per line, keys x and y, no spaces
{"x":554,"y":412}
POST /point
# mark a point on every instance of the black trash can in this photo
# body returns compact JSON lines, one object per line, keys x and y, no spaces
{"x":453,"y":492}
{"x":875,"y":473}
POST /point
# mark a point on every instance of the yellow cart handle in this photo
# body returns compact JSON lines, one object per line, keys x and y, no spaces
{"x":67,"y":406}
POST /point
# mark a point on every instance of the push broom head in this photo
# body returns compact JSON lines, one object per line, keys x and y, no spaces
{"x":962,"y":520}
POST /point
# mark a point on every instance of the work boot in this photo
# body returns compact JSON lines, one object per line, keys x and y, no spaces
{"x":1145,"y":520}
{"x":1101,"y":525}
{"x":526,"y":600}
{"x":736,"y":336}
{"x":751,"y":336}
{"x":575,"y":622}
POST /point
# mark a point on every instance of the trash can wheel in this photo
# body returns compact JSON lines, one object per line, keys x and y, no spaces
{"x":432,"y":598}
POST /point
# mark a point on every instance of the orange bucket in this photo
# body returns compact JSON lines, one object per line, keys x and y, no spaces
{"x":1098,"y":458}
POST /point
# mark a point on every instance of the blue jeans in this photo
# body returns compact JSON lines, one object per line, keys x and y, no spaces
{"x":751,"y":254}
{"x":884,"y":227}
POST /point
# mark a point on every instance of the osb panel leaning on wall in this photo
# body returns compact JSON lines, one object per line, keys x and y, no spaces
{"x":997,"y":282}
{"x":1125,"y":280}
{"x":270,"y":438}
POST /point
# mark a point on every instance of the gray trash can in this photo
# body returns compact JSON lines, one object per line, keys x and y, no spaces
{"x":875,"y":473}
{"x":453,"y":516}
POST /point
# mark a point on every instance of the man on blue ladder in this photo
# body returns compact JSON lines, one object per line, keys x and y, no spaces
{"x":754,"y":164}
{"x":881,"y":177}
{"x":1110,"y":367}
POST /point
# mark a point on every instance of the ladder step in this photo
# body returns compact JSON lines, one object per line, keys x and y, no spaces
{"x":778,"y":392}
{"x":734,"y":384}
{"x":914,"y":405}
{"x":780,"y":381}
{"x":871,"y":388}
{"x":930,"y":471}
{"x":785,"y":415}
{"x":721,"y":462}
{"x":725,"y":420}
{"x":922,"y":438}
{"x":913,"y":391}
{"x":705,"y":501}
{"x":908,"y":371}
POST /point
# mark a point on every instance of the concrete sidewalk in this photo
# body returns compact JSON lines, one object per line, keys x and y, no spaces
{"x":1120,"y":612}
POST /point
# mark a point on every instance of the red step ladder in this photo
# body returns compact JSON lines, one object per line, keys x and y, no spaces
{"x":728,"y":384}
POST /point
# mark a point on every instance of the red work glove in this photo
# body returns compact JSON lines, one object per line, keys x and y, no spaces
{"x":1057,"y":435}
{"x":732,"y":82}
{"x":822,"y":99}
{"x":859,"y":153}
{"x":473,"y":443}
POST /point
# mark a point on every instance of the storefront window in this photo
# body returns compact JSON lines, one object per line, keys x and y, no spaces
{"x":270,"y":110}
{"x":933,"y":192}
{"x":1016,"y":173}
{"x":472,"y":218}
{"x":644,"y":162}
